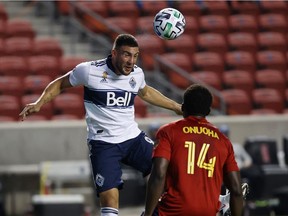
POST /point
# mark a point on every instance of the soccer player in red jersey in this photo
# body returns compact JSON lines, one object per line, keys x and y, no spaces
{"x":190,"y":162}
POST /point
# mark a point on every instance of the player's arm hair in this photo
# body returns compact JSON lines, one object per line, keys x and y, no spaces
{"x":154,"y":97}
{"x":156,"y":184}
{"x":232,"y":181}
{"x":54,"y":88}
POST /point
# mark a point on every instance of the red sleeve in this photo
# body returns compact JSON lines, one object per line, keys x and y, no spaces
{"x":163,"y":148}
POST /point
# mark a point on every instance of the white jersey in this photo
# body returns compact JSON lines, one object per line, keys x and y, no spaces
{"x":108,"y":100}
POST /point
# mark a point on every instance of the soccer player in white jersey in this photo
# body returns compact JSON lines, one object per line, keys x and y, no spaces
{"x":110,"y":86}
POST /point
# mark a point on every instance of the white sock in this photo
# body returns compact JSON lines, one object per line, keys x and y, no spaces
{"x":108,"y":211}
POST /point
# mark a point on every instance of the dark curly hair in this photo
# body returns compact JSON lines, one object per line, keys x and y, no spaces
{"x":197,"y":101}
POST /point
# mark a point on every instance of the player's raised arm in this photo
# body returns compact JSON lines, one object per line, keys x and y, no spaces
{"x":153,"y":96}
{"x":53,"y":89}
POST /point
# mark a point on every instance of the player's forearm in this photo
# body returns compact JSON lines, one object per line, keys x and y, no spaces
{"x":236,"y":205}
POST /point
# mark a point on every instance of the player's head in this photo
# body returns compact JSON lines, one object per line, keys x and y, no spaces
{"x":197,"y":101}
{"x":125,"y":52}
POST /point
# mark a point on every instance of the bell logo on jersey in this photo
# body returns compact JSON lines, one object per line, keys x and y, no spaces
{"x":113,"y":100}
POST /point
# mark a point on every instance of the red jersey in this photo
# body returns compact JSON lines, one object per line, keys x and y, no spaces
{"x":199,"y":155}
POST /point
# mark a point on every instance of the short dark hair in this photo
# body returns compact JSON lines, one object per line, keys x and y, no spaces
{"x":197,"y":101}
{"x":125,"y":40}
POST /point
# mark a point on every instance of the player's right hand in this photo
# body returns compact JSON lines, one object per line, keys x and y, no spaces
{"x":29,"y":109}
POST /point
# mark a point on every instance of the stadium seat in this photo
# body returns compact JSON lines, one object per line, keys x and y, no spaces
{"x":46,"y":109}
{"x":127,"y":9}
{"x":140,"y":108}
{"x":209,"y":78}
{"x":5,"y":118}
{"x":48,"y":46}
{"x":149,"y":45}
{"x":272,"y":60}
{"x":268,"y":98}
{"x":240,"y":60}
{"x":238,"y":102}
{"x":191,"y":27}
{"x":19,"y":46}
{"x":35,"y":84}
{"x":121,"y":24}
{"x":273,"y":22}
{"x":278,"y":7}
{"x":239,"y":79}
{"x":208,"y":61}
{"x":67,"y":103}
{"x":2,"y":29}
{"x":271,"y":79}
{"x":44,"y":65}
{"x":151,"y":8}
{"x":217,"y":8}
{"x":10,"y":106}
{"x":19,"y":28}
{"x":99,"y":7}
{"x":272,"y":41}
{"x":243,"y":23}
{"x":189,"y":8}
{"x":11,"y":85}
{"x":212,"y":42}
{"x":184,"y":44}
{"x":214,"y":24}
{"x":3,"y":13}
{"x":245,"y":7}
{"x":64,"y":117}
{"x":243,"y":41}
{"x":144,"y":25}
{"x":13,"y":66}
{"x":2,"y":48}
{"x":67,"y":63}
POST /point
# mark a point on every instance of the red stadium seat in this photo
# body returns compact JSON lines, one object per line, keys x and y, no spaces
{"x":181,"y":60}
{"x":2,"y":29}
{"x":47,"y":46}
{"x":271,"y":79}
{"x":243,"y":23}
{"x":208,"y":61}
{"x":272,"y":60}
{"x":273,"y":22}
{"x":127,"y":9}
{"x":35,"y":84}
{"x":46,"y":109}
{"x":286,"y":98}
{"x":99,"y":7}
{"x":214,"y":24}
{"x":144,"y":25}
{"x":64,"y":117}
{"x":3,"y":13}
{"x":189,"y":8}
{"x":218,"y":8}
{"x":151,"y":8}
{"x":67,"y":63}
{"x":269,"y":99}
{"x":20,"y":28}
{"x":243,"y":41}
{"x":212,"y":42}
{"x":44,"y":65}
{"x":140,"y":108}
{"x":245,"y":7}
{"x":272,"y":41}
{"x":263,"y":112}
{"x":278,"y":7}
{"x":19,"y":46}
{"x":191,"y":27}
{"x":121,"y":24}
{"x":240,"y":60}
{"x":6,"y":119}
{"x":238,"y":102}
{"x":209,"y":78}
{"x":10,"y":106}
{"x":238,"y":79}
{"x":185,"y":44}
{"x":149,"y":46}
{"x":2,"y":48}
{"x":13,"y":66}
{"x":67,"y":103}
{"x":11,"y":85}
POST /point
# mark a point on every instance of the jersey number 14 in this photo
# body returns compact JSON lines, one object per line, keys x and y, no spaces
{"x":201,"y":159}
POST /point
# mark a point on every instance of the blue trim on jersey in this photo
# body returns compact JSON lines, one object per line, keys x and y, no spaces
{"x":109,"y":98}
